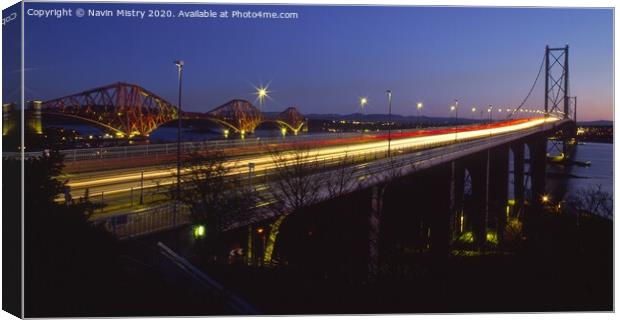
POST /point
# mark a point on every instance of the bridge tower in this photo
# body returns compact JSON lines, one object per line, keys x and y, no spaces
{"x":34,"y":118}
{"x":558,"y":101}
{"x":556,"y":81}
{"x":8,"y":118}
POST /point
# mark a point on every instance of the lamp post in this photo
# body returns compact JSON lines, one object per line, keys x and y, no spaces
{"x":389,"y":94}
{"x":455,"y":108}
{"x":490,"y":111}
{"x":363,"y":102}
{"x":179,"y":64}
{"x":261,"y":94}
{"x":419,"y":106}
{"x":251,"y":167}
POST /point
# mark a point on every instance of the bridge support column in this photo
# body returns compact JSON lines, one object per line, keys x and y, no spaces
{"x":250,"y":246}
{"x":478,"y":166}
{"x":457,"y":189}
{"x":538,"y":172}
{"x":519,"y":177}
{"x":374,"y":229}
{"x":498,"y":189}
{"x":440,"y":189}
{"x":34,"y":117}
{"x":8,"y":118}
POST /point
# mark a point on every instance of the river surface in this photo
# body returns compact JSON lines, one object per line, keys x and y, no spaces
{"x":600,"y":171}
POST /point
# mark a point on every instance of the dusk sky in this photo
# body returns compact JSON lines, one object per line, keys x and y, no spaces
{"x":326,"y":59}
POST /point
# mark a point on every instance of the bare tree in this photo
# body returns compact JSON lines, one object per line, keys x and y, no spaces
{"x":341,"y":178}
{"x":390,"y":171}
{"x":295,"y":182}
{"x":216,"y":196}
{"x":592,"y":200}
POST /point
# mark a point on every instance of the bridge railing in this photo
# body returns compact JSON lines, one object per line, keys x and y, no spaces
{"x":149,"y":220}
{"x":154,"y":149}
{"x":162,"y":149}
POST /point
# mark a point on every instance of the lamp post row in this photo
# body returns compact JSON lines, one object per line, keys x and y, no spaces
{"x":263,"y":92}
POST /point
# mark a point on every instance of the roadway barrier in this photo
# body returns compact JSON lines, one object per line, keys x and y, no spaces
{"x":155,"y":149}
{"x":146,"y":221}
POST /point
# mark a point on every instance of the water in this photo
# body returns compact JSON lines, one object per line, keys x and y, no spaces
{"x":169,"y":134}
{"x":600,"y":171}
{"x":166,"y":134}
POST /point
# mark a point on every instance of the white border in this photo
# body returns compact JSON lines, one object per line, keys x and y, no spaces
{"x":490,"y":3}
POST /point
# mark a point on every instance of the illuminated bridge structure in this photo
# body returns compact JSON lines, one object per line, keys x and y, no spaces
{"x":437,"y":187}
{"x":423,"y":190}
{"x":130,"y":110}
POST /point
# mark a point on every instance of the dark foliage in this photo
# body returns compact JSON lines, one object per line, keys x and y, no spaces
{"x":67,"y":259}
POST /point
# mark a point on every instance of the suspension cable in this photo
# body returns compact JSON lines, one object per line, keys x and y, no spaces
{"x":531,"y":89}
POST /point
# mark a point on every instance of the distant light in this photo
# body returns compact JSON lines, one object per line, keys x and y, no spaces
{"x":363,"y":101}
{"x":262,"y":93}
{"x":473,"y":109}
{"x":283,"y":131}
{"x":420,"y":105}
{"x":452,"y":108}
{"x":545,"y":198}
{"x":260,"y":230}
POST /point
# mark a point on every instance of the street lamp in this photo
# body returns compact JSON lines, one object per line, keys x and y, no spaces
{"x":389,"y":94}
{"x":490,"y":111}
{"x":261,"y":94}
{"x":474,"y":109}
{"x":455,"y":108}
{"x":419,"y":106}
{"x":179,"y":64}
{"x":363,"y":103}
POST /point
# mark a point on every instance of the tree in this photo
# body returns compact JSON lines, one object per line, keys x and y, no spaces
{"x":215,"y":192}
{"x":295,"y":182}
{"x":592,"y":200}
{"x":341,"y":179}
{"x":68,"y":260}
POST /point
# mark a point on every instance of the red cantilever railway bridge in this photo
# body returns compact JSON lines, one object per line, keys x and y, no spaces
{"x":129,"y":109}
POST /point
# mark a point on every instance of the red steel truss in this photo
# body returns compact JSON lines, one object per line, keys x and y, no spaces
{"x":240,"y":115}
{"x":125,"y":108}
{"x":292,"y":118}
{"x":129,"y":109}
